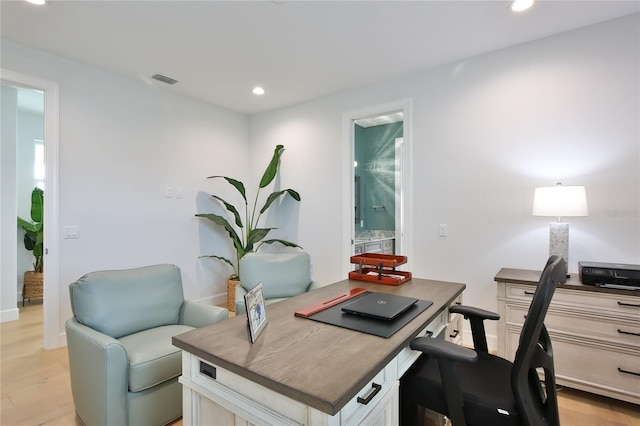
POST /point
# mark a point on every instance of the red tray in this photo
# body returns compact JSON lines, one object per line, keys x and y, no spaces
{"x":380,"y":276}
{"x":380,"y":260}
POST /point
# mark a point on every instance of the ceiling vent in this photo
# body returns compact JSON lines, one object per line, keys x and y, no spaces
{"x":164,"y":79}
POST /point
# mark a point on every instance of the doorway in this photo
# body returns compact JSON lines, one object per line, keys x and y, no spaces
{"x":53,"y":337}
{"x":378,"y":153}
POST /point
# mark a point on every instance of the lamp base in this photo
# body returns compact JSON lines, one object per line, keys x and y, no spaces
{"x":559,"y":241}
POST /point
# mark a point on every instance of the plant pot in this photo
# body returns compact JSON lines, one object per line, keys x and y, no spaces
{"x":232,"y":283}
{"x":32,"y":285}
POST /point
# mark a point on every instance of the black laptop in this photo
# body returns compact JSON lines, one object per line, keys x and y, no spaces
{"x":380,"y":306}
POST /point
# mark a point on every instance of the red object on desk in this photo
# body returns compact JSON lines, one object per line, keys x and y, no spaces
{"x":382,"y":270}
{"x":377,"y":259}
{"x":314,"y":309}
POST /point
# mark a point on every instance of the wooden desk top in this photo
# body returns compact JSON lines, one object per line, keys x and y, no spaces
{"x":529,"y":277}
{"x":320,"y":365}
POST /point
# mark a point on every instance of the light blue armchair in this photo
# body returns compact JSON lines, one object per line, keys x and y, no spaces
{"x":282,"y":275}
{"x":124,"y":369}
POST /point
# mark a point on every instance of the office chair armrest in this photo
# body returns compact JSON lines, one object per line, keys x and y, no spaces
{"x":473,"y":312}
{"x":441,"y":348}
{"x":448,"y":355}
{"x":476,"y":317}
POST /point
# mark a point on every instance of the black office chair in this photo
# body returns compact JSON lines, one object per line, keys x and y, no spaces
{"x":476,"y":388}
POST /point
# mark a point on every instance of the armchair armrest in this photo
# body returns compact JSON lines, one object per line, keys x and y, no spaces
{"x":200,"y":314}
{"x":98,"y":369}
{"x":476,"y":317}
{"x":313,"y":286}
{"x":240,"y":292}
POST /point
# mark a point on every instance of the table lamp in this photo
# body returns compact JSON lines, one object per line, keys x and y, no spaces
{"x":560,"y":201}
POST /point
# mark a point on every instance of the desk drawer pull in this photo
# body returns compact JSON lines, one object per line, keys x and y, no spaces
{"x":529,"y":293}
{"x":628,"y":372}
{"x":454,"y":334}
{"x":629,"y":304}
{"x":207,"y":370}
{"x":628,"y":332}
{"x":375,"y":388}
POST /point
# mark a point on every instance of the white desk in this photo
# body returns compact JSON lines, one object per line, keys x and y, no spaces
{"x":301,"y":371}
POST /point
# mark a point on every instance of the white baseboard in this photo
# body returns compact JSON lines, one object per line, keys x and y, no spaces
{"x":9,"y":315}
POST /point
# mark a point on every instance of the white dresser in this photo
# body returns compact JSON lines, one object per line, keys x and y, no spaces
{"x":595,"y":332}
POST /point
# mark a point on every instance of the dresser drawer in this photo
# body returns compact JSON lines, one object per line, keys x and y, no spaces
{"x":599,"y":367}
{"x":620,"y":306}
{"x":590,"y":326}
{"x":373,"y":247}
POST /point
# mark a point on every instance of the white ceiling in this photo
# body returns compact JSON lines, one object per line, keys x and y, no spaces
{"x":297,"y":50}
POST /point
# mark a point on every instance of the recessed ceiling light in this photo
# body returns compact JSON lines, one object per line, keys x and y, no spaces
{"x":520,"y":5}
{"x":38,"y":2}
{"x":258,"y":90}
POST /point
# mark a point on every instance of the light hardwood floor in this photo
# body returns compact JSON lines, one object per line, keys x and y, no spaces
{"x":36,"y":389}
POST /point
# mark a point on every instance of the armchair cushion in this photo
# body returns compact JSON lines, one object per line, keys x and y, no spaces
{"x":282,"y":274}
{"x":152,"y":358}
{"x":97,"y":299}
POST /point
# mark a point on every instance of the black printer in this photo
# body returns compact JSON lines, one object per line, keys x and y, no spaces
{"x":611,"y":275}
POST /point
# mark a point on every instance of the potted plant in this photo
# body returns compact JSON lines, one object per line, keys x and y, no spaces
{"x":34,"y":241}
{"x":243,"y":229}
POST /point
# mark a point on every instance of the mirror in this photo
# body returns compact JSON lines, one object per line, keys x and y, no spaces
{"x":377,"y":176}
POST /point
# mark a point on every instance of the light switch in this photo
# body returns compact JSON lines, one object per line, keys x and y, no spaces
{"x":443,"y":229}
{"x":168,"y":192}
{"x":71,"y":232}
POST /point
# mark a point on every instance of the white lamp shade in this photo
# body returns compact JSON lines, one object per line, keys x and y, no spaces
{"x":560,"y":201}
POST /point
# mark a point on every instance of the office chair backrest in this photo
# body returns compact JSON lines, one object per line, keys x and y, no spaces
{"x":535,"y":352}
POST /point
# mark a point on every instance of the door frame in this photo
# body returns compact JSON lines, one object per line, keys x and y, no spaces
{"x":52,"y":335}
{"x":348,"y":156}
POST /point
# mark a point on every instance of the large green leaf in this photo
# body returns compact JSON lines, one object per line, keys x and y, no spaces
{"x":277,"y":194}
{"x":255,"y":236}
{"x":272,"y":168}
{"x":283,"y":242}
{"x":236,"y":184}
{"x":219,"y":220}
{"x":29,"y":226}
{"x":224,"y":259}
{"x":232,"y":209}
{"x":37,"y":205}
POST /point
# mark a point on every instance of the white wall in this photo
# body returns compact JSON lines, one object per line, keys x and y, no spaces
{"x":122,"y":142}
{"x":8,"y":186}
{"x":486,"y":132}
